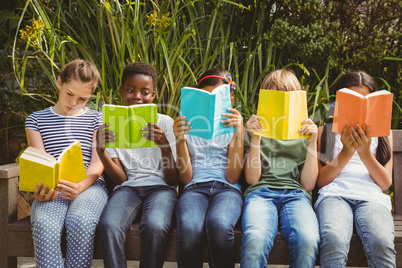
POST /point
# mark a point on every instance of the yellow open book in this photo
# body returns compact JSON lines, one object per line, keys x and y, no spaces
{"x":282,"y":113}
{"x":37,"y":166}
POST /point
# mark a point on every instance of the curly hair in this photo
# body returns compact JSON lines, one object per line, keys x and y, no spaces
{"x":140,"y":67}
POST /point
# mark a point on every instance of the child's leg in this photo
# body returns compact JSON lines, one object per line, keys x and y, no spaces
{"x":299,"y":226}
{"x":47,"y":219}
{"x":81,"y":221}
{"x":335,"y":217}
{"x":260,"y":225}
{"x":157,"y":212}
{"x":375,"y":227}
{"x":191,"y":211}
{"x":223,"y":213}
{"x":120,"y":212}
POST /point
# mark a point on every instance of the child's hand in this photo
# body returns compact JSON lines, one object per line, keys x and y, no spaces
{"x":103,"y":136}
{"x":309,"y":129}
{"x":235,"y":119}
{"x":68,"y":190}
{"x":360,"y":140}
{"x":253,"y":124}
{"x":41,"y":195}
{"x":155,"y":133}
{"x":181,"y":127}
{"x":347,"y":141}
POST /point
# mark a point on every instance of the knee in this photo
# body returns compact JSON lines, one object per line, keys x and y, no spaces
{"x":307,"y":241}
{"x":220,"y":231}
{"x":333,"y":239}
{"x":253,"y":241}
{"x":155,"y":228}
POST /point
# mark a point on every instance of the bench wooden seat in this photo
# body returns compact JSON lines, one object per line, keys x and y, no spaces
{"x":16,"y":236}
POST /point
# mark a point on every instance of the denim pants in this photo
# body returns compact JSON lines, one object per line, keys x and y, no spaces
{"x":157,"y":204}
{"x":79,"y":217}
{"x":297,"y":222}
{"x":374,"y":225}
{"x":209,"y":209}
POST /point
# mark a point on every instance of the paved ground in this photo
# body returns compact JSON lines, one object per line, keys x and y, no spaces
{"x":30,"y":263}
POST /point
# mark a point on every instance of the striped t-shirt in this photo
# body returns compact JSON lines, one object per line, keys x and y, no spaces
{"x":59,"y":131}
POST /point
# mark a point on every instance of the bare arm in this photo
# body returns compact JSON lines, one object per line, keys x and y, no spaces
{"x":252,"y":168}
{"x":309,"y":173}
{"x":329,"y":172}
{"x":382,"y":175}
{"x":236,"y":146}
{"x":113,"y":167}
{"x":181,"y":127}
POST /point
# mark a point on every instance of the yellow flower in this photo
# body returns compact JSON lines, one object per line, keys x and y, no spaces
{"x":151,"y":19}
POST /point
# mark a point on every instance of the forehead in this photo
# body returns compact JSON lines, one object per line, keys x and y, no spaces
{"x":138,"y":80}
{"x":78,"y":88}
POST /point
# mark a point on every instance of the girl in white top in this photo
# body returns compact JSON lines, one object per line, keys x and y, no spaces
{"x":355,"y":169}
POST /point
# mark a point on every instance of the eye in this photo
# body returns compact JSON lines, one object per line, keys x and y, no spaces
{"x":130,"y":90}
{"x":145,"y":93}
{"x":69,"y":94}
{"x":83,"y":99}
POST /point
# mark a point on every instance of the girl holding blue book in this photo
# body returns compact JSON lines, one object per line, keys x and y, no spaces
{"x":211,"y":202}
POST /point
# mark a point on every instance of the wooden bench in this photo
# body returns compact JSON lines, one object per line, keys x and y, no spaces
{"x":16,"y":236}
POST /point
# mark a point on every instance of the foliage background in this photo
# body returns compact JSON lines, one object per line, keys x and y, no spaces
{"x":318,"y":39}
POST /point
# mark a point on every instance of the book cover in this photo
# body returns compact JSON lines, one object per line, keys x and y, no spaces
{"x":353,"y":108}
{"x":127,"y":121}
{"x":204,"y":110}
{"x":282,"y":113}
{"x":37,"y":166}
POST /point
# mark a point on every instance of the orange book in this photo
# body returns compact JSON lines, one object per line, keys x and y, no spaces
{"x":353,"y":108}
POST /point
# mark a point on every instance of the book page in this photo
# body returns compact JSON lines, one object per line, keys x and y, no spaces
{"x":139,"y":117}
{"x":349,"y":109}
{"x":222,"y":104}
{"x":297,"y":113}
{"x":117,"y":118}
{"x":271,"y":110}
{"x":379,"y":114}
{"x":71,"y":164}
{"x":199,"y":107}
{"x":33,"y":173}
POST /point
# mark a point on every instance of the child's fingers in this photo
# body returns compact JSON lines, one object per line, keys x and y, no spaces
{"x":345,"y":130}
{"x":308,"y":121}
{"x":234,"y":111}
{"x":368,"y":132}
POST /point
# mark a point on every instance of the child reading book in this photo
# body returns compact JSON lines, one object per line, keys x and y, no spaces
{"x":211,"y":202}
{"x":74,"y":206}
{"x":355,"y":169}
{"x":280,"y":174}
{"x":145,"y":178}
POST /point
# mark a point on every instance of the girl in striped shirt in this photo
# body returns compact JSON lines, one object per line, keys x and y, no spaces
{"x":75,"y":207}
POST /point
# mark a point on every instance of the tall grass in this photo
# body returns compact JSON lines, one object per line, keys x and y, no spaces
{"x":181,"y":39}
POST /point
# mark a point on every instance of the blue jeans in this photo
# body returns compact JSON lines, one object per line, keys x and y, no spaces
{"x":209,"y":209}
{"x":297,"y":222}
{"x":373,"y":223}
{"x":157,"y":204}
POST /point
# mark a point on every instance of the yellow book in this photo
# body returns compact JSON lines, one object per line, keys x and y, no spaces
{"x":37,"y":166}
{"x":282,"y":113}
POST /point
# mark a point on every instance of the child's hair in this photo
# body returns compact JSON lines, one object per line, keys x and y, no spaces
{"x":80,"y":70}
{"x":140,"y":67}
{"x":281,"y":80}
{"x":358,"y":78}
{"x":212,"y":77}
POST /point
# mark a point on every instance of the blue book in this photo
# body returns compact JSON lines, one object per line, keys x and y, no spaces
{"x":204,"y":110}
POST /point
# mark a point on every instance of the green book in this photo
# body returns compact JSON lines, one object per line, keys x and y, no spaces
{"x":127,"y":121}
